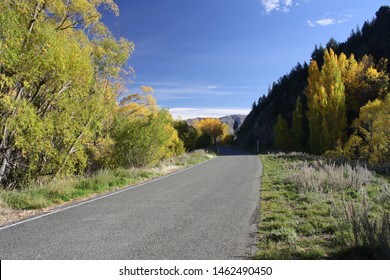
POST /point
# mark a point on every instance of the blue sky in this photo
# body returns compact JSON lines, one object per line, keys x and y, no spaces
{"x":215,"y":57}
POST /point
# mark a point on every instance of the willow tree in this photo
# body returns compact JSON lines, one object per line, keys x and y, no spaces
{"x":59,"y":75}
{"x":143,"y":133}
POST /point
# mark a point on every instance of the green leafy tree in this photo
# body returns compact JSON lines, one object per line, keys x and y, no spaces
{"x":297,"y":126}
{"x":145,"y":140}
{"x":59,"y":75}
{"x":188,"y":134}
{"x":282,"y":134}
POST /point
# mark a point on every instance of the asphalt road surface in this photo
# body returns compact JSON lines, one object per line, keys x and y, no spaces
{"x":205,"y":212}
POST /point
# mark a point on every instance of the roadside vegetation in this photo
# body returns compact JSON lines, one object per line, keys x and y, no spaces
{"x":67,"y":107}
{"x":330,"y":204}
{"x":314,"y":208}
{"x":336,"y":104}
{"x":205,"y":132}
{"x":50,"y":193}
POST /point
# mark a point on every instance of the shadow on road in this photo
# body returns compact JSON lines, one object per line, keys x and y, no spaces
{"x":232,"y":151}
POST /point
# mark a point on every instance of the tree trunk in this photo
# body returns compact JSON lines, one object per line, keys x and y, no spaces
{"x":3,"y":166}
{"x":71,"y":150}
{"x":38,"y":9}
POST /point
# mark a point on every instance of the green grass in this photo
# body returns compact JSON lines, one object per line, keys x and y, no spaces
{"x":312,"y":209}
{"x":60,"y":191}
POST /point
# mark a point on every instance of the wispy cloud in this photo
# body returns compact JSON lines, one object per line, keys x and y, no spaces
{"x":277,"y":5}
{"x":341,"y":20}
{"x":165,"y":90}
{"x":190,"y":113}
{"x":329,"y":20}
{"x":311,"y":24}
{"x":270,"y":5}
{"x":326,"y":21}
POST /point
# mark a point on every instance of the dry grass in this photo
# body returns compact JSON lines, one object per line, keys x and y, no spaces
{"x":317,"y":208}
{"x":325,"y":177}
{"x":4,"y":209}
{"x":364,"y":232}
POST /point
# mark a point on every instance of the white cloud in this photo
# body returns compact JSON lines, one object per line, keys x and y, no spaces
{"x":212,"y":87}
{"x":277,"y":5}
{"x":310,"y":23}
{"x":190,"y":113}
{"x":328,"y":19}
{"x":270,"y":5}
{"x":325,"y":21}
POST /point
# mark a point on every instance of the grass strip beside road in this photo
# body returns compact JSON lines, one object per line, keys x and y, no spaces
{"x":316,"y":209}
{"x":40,"y":197}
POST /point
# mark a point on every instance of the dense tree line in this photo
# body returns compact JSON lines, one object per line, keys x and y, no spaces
{"x":204,"y":133}
{"x":342,"y":88}
{"x":338,"y":103}
{"x":61,"y":76}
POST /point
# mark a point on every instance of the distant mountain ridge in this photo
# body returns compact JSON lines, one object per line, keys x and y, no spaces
{"x":233,"y":121}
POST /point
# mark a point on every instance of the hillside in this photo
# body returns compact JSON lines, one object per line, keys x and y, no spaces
{"x":372,"y":39}
{"x":233,"y":121}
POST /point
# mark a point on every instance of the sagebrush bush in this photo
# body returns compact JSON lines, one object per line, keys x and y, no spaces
{"x":361,"y":229}
{"x":363,"y":222}
{"x":316,"y":208}
{"x":321,"y":176}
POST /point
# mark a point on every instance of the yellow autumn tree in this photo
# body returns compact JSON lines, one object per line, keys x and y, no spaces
{"x":326,"y":103}
{"x":315,"y":93}
{"x":211,"y":127}
{"x":364,"y":81}
{"x":371,"y":137}
{"x":226,"y":138}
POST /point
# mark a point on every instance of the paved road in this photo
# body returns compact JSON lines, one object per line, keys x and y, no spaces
{"x":205,"y":212}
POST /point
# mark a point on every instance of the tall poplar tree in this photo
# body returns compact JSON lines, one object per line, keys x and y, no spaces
{"x":334,"y":119}
{"x":326,"y":102}
{"x":314,"y":92}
